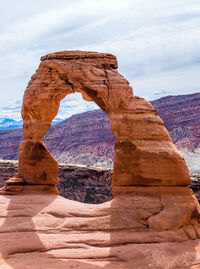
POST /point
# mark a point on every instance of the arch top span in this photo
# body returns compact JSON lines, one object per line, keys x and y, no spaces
{"x":103,"y":58}
{"x":92,"y":74}
{"x":144,"y":152}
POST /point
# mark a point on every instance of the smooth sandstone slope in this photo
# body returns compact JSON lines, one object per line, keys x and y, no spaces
{"x":153,"y":219}
{"x":48,"y":231}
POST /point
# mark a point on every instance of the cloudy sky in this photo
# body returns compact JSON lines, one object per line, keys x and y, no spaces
{"x":156,"y":42}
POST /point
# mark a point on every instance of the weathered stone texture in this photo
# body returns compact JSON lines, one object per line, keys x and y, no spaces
{"x":37,"y":166}
{"x":142,"y":140}
{"x":47,"y":231}
{"x":152,"y":213}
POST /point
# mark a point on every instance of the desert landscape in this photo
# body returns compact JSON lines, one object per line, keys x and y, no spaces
{"x":99,"y":134}
{"x":147,"y":216}
{"x":84,"y":147}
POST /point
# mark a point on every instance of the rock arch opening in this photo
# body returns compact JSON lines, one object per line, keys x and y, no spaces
{"x":83,"y":146}
{"x":84,"y":137}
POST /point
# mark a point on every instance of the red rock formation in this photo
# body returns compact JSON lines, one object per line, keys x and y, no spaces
{"x":142,"y":140}
{"x":163,"y":210}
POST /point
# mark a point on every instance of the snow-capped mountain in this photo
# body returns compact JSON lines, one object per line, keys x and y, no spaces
{"x":6,"y":123}
{"x":9,"y":124}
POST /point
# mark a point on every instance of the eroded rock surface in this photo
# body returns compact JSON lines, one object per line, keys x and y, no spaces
{"x":141,"y":137}
{"x":152,"y":213}
{"x":47,"y":231}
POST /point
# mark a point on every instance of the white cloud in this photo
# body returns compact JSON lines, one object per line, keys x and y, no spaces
{"x":156,"y":42}
{"x":70,"y":105}
{"x":172,"y":82}
{"x":67,"y":18}
{"x":11,"y":110}
{"x":153,"y":49}
{"x":73,"y":104}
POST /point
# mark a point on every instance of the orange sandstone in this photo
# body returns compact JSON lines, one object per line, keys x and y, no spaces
{"x":153,"y":220}
{"x":144,"y":152}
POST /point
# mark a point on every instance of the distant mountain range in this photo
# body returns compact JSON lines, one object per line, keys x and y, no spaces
{"x":86,"y":138}
{"x":10,"y":124}
{"x":181,"y":115}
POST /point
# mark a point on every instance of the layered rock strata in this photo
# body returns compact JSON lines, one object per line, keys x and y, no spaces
{"x":151,"y":201}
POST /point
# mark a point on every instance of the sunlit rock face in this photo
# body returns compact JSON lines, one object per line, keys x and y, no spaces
{"x":152,"y":213}
{"x":144,"y":152}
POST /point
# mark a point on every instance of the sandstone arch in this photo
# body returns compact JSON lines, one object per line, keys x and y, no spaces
{"x":144,"y":152}
{"x":153,"y":219}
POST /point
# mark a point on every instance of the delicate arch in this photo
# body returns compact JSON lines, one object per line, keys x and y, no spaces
{"x":144,"y":152}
